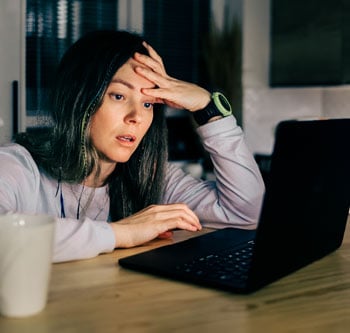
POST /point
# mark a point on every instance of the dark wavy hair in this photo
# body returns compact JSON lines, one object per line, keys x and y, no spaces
{"x":66,"y":152}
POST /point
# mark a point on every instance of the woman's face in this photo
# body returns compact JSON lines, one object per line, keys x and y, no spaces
{"x":124,"y":117}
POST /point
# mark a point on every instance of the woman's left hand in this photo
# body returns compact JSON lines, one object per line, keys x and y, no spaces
{"x":172,"y":92}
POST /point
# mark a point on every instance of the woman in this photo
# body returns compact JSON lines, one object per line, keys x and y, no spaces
{"x":102,"y":169}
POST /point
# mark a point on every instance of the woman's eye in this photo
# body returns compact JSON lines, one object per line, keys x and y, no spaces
{"x":148,"y":105}
{"x":117,"y":97}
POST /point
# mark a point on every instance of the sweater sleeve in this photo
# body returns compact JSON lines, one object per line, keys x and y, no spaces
{"x":22,"y":190}
{"x":235,"y":197}
{"x":76,"y":240}
{"x":19,"y":180}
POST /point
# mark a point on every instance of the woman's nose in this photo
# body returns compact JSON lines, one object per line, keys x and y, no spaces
{"x":134,"y":114}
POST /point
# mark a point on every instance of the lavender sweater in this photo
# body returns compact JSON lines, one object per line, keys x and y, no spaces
{"x":233,"y":199}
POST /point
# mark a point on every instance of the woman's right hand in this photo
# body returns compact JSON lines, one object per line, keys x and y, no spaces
{"x":168,"y":90}
{"x":153,"y":221}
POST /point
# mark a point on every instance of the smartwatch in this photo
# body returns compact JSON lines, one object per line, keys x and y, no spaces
{"x":218,"y":106}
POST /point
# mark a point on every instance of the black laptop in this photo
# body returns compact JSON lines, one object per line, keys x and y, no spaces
{"x":303,"y":217}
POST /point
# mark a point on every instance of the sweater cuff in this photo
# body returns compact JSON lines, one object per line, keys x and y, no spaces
{"x":105,"y":237}
{"x":217,"y":127}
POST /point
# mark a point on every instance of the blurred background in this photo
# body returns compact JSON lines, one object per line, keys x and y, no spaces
{"x":274,"y":59}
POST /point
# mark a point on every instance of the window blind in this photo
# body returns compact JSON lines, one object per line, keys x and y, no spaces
{"x":51,"y":27}
{"x":174,"y":28}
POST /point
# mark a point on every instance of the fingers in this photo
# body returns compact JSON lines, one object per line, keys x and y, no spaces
{"x":163,"y":218}
{"x":165,"y":235}
{"x":152,"y":222}
{"x":175,"y":93}
{"x":156,"y":64}
{"x":152,"y":52}
{"x":175,"y":216}
{"x":152,"y":75}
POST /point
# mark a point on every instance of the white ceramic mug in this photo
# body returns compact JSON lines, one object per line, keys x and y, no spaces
{"x":25,"y":263}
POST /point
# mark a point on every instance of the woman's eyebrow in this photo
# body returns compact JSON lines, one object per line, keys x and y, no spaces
{"x":125,"y":83}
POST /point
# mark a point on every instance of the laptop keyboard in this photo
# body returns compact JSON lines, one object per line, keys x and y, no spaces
{"x":229,"y":264}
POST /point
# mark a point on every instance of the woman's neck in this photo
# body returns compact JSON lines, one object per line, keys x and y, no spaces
{"x":99,"y":180}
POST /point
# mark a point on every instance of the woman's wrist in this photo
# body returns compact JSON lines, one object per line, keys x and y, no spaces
{"x":120,"y":235}
{"x":217,"y":108}
{"x":206,"y":101}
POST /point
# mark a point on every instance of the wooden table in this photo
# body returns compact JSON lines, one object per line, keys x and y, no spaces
{"x":99,"y":296}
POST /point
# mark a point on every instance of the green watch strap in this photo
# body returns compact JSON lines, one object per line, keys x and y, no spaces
{"x":218,"y":106}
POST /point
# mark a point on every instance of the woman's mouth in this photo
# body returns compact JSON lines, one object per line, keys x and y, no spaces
{"x":126,"y":138}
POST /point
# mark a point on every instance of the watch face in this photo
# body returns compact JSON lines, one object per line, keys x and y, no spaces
{"x":222,"y":104}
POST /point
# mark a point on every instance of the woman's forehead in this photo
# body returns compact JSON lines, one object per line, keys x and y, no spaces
{"x":126,"y":73}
